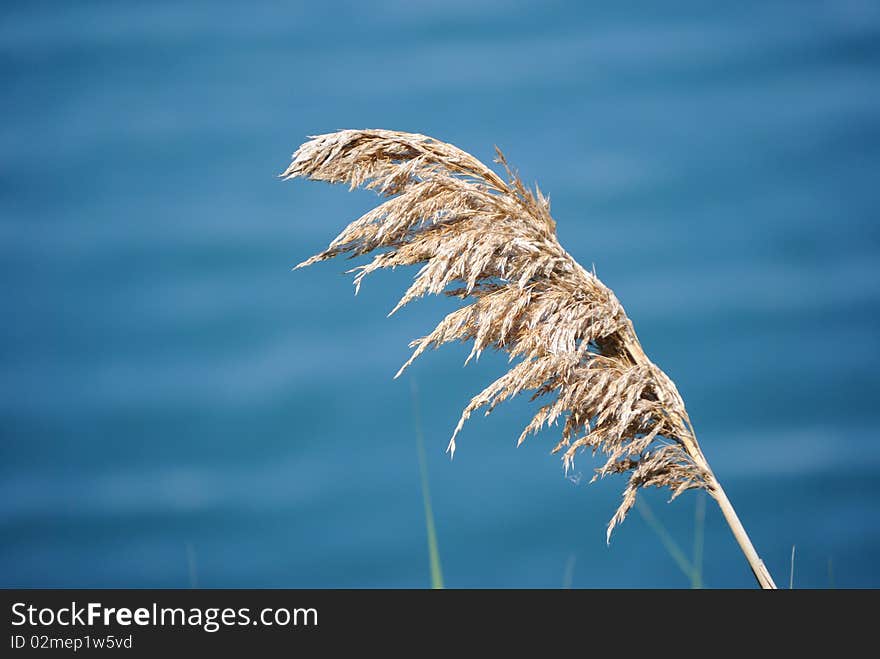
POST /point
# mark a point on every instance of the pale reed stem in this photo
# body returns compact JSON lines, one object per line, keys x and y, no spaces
{"x":762,"y":574}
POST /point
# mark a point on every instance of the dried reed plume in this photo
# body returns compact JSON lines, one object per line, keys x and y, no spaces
{"x":493,"y":242}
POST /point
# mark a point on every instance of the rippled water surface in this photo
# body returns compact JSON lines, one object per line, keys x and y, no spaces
{"x":178,"y":408}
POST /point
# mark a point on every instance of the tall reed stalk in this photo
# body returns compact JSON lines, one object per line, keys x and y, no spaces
{"x":493,"y":242}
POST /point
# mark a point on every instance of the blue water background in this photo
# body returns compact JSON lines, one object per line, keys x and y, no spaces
{"x":178,"y":408}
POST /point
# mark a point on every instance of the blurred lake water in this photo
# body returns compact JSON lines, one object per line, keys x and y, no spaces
{"x":172,"y":394}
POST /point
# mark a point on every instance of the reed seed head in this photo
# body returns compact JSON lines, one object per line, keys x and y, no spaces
{"x":492,"y":243}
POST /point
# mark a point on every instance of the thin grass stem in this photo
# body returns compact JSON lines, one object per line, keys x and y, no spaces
{"x":433,"y":548}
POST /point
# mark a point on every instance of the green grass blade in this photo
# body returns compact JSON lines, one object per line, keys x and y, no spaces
{"x":433,"y":551}
{"x":568,"y":577}
{"x":191,"y":565}
{"x":669,"y":544}
{"x":699,"y":540}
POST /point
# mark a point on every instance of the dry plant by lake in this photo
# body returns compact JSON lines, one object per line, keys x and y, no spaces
{"x":492,"y":242}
